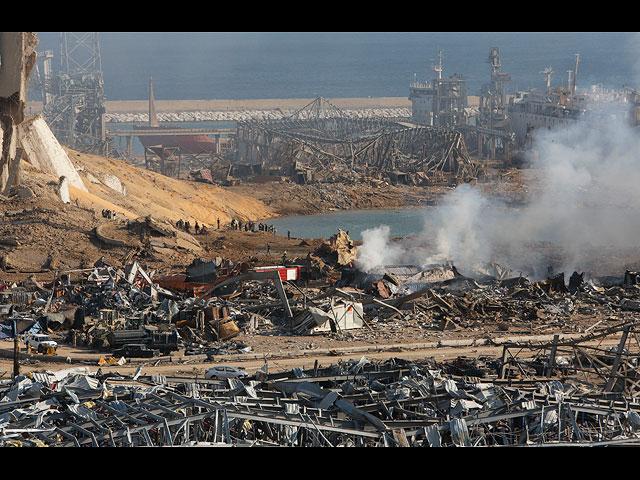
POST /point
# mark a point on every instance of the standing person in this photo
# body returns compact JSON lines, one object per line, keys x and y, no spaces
{"x":288,"y":234}
{"x":203,"y":230}
{"x":268,"y":250}
{"x":275,"y":230}
{"x":218,"y":223}
{"x":197,"y":228}
{"x":187,"y":226}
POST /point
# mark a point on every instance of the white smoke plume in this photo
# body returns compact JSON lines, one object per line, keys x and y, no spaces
{"x":380,"y":250}
{"x":584,"y":201}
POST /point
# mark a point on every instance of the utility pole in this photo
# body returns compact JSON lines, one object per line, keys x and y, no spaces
{"x":16,"y":363}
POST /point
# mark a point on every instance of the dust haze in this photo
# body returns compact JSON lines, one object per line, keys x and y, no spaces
{"x":586,"y":199}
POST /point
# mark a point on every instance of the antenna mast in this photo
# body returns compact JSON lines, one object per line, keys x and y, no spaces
{"x":575,"y":74}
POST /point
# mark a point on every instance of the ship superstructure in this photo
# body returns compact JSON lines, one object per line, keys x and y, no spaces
{"x":537,"y":110}
{"x":440,"y":102}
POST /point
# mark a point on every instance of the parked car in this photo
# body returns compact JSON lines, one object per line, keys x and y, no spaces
{"x":41,"y":342}
{"x":135,"y":350}
{"x":225,"y":372}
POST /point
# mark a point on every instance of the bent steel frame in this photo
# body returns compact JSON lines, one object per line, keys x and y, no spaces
{"x":322,"y":137}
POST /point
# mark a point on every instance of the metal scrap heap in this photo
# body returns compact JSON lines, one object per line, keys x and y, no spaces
{"x":563,"y":382}
{"x":395,"y":403}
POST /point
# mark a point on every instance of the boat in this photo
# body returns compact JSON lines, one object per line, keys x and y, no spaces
{"x":185,"y":143}
{"x":537,"y":110}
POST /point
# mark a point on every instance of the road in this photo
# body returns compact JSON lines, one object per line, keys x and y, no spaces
{"x":196,"y":366}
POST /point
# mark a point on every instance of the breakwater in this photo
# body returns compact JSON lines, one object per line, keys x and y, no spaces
{"x":246,"y":115}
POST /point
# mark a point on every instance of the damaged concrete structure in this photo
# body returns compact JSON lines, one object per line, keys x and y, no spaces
{"x":42,"y":150}
{"x":17,"y":58}
{"x":31,"y":137}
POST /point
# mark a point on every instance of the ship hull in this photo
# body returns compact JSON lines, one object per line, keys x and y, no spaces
{"x":521,"y":122}
{"x":188,"y":144}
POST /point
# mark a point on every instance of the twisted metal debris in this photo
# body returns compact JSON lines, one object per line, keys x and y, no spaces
{"x":395,"y":403}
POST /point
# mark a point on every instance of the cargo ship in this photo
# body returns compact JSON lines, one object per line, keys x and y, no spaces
{"x":564,"y":107}
{"x":187,"y":144}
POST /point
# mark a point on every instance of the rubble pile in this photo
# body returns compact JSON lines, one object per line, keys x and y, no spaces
{"x":439,"y":297}
{"x":394,"y":403}
{"x":570,"y":377}
{"x":216,"y":300}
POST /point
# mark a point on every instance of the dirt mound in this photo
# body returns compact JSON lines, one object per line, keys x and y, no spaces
{"x":136,"y":192}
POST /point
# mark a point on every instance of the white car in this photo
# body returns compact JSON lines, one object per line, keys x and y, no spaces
{"x":41,"y":342}
{"x":225,"y":372}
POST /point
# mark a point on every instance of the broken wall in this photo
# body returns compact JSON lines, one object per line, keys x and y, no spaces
{"x":17,"y":57}
{"x":43,"y":151}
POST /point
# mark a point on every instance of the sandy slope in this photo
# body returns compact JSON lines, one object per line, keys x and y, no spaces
{"x":149,"y":193}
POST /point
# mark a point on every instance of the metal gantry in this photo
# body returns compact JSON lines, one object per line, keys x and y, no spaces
{"x":74,"y":98}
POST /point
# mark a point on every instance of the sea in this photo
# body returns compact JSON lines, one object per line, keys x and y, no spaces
{"x":264,"y":65}
{"x":401,"y":222}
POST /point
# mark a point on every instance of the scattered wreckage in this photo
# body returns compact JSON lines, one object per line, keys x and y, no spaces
{"x":203,"y":309}
{"x":392,"y":403}
{"x":571,"y":389}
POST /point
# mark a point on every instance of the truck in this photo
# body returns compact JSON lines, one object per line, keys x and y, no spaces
{"x":41,"y":342}
{"x":165,"y":342}
{"x":157,"y":341}
{"x":135,"y":350}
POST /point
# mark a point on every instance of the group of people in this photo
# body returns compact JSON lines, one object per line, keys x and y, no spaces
{"x":186,"y":226}
{"x":235,"y":225}
{"x":249,"y":226}
{"x":110,"y":214}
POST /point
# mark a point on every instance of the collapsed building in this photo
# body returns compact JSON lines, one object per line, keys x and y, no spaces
{"x":354,"y":403}
{"x":320,"y":143}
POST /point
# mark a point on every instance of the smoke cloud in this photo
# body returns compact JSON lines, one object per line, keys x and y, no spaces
{"x":583,"y":200}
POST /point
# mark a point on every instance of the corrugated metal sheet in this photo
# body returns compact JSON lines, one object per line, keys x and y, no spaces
{"x":459,"y":432}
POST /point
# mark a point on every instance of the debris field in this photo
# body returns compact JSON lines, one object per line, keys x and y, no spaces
{"x":567,"y":372}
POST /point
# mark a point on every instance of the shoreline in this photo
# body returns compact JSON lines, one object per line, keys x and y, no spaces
{"x":222,"y":105}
